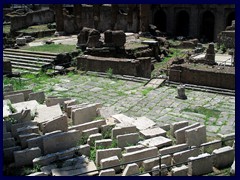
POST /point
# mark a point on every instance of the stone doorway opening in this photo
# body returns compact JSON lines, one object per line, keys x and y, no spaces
{"x":230,"y":18}
{"x":160,"y":20}
{"x":182,"y":24}
{"x":207,"y":26}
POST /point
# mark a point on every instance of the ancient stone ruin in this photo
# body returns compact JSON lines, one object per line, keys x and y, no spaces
{"x":63,"y":138}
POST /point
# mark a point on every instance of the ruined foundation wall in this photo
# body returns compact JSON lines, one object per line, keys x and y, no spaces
{"x":32,"y":18}
{"x":203,"y":77}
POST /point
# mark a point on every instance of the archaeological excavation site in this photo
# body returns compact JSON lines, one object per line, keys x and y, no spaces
{"x":119,"y":90}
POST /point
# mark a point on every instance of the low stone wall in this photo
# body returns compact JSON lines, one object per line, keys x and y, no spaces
{"x":32,"y":18}
{"x":205,"y":77}
{"x":132,"y":67}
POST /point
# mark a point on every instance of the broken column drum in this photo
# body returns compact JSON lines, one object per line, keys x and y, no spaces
{"x":210,"y":54}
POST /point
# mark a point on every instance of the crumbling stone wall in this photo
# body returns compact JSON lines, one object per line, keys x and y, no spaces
{"x":224,"y":79}
{"x":32,"y":18}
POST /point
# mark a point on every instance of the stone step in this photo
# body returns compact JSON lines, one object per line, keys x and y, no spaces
{"x":30,"y":52}
{"x":26,"y":68}
{"x":29,"y":64}
{"x":29,"y":55}
{"x":26,"y":58}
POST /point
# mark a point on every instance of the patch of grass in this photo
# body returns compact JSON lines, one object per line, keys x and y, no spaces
{"x":109,"y":73}
{"x":10,"y":119}
{"x":12,"y":109}
{"x":54,"y":48}
{"x":28,"y":170}
{"x":6,"y":29}
{"x":17,"y":84}
{"x":205,"y":111}
{"x":114,"y":144}
{"x":35,"y":28}
{"x":146,"y":91}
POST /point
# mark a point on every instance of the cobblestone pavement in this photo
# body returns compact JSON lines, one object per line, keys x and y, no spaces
{"x":159,"y":105}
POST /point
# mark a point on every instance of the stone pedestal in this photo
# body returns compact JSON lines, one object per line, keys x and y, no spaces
{"x":181,"y":92}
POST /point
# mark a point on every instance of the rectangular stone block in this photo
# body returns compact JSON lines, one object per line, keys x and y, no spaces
{"x":21,"y":125}
{"x":25,"y":157}
{"x":143,"y":123}
{"x":123,"y":130}
{"x":107,"y":172}
{"x":21,"y":117}
{"x":38,"y":141}
{"x":196,"y":136}
{"x":45,"y":160}
{"x":150,"y":163}
{"x":106,"y":153}
{"x":223,"y":157}
{"x":136,"y":155}
{"x":25,"y":93}
{"x":28,"y":130}
{"x":48,"y":169}
{"x":57,"y":123}
{"x":227,"y":139}
{"x":84,"y":150}
{"x":60,"y":141}
{"x":24,"y":137}
{"x":48,"y":113}
{"x":109,"y":162}
{"x":165,"y":127}
{"x":158,"y":142}
{"x":70,"y":108}
{"x":88,"y":132}
{"x":94,"y":137}
{"x":173,"y":149}
{"x":180,"y":133}
{"x":7,"y":135}
{"x":69,"y":103}
{"x":134,"y":148}
{"x":8,"y":153}
{"x":210,"y":146}
{"x":177,"y":125}
{"x":127,"y":140}
{"x":85,"y":114}
{"x":131,"y":170}
{"x":180,"y":171}
{"x":103,"y":143}
{"x":89,"y":125}
{"x":32,"y":105}
{"x":167,"y":159}
{"x":153,"y":132}
{"x":9,"y":142}
{"x":51,"y":101}
{"x":15,"y":98}
{"x":38,"y":96}
{"x":123,"y":119}
{"x":183,"y":156}
{"x":200,"y":165}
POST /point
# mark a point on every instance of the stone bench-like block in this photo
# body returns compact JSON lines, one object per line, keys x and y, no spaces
{"x":25,"y":157}
{"x":150,"y":163}
{"x":153,"y":132}
{"x":134,"y":148}
{"x":45,"y":160}
{"x":123,"y":130}
{"x":38,"y":96}
{"x":57,"y":123}
{"x":103,"y":143}
{"x":141,"y":154}
{"x":180,"y":133}
{"x":200,"y":165}
{"x":28,"y":130}
{"x":173,"y":149}
{"x":24,"y":137}
{"x":15,"y":98}
{"x":85,"y":114}
{"x":196,"y":136}
{"x":88,"y":132}
{"x":223,"y":157}
{"x":158,"y":142}
{"x":106,"y":153}
{"x":14,"y":127}
{"x":111,"y":161}
{"x":8,"y":153}
{"x":131,"y":169}
{"x":92,"y":138}
{"x":127,"y":139}
{"x":177,"y":125}
{"x":209,"y":147}
{"x":9,"y":142}
{"x":183,"y":156}
{"x":107,"y":172}
{"x":89,"y":125}
{"x":180,"y":171}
